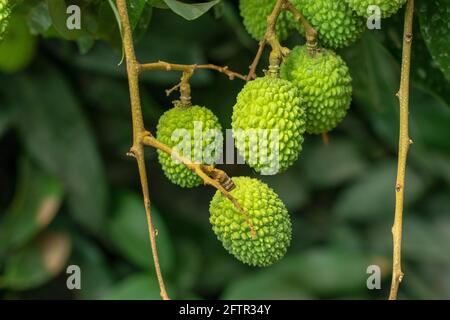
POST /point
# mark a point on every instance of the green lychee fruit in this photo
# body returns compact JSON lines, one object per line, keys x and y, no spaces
{"x":5,"y":12}
{"x":18,"y":47}
{"x":266,"y":213}
{"x":268,"y":124}
{"x":324,"y":83}
{"x":196,"y":134}
{"x":255,"y":13}
{"x":387,"y":7}
{"x":336,"y":24}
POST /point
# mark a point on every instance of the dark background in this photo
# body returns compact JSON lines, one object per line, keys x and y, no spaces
{"x":70,"y":195}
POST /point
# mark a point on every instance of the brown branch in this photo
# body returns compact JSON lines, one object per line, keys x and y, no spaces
{"x":208,"y":174}
{"x":310,"y":32}
{"x":270,"y":37}
{"x":166,"y":66}
{"x":252,"y":73}
{"x":137,"y":149}
{"x":404,"y":144}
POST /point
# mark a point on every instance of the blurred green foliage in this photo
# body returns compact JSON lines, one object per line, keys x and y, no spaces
{"x":69,"y":195}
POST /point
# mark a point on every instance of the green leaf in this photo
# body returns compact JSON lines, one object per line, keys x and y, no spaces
{"x":160,"y":4}
{"x":328,"y":272}
{"x":190,"y":11}
{"x":291,"y":189}
{"x":56,"y":134}
{"x":129,"y":233}
{"x":376,"y":77}
{"x":36,"y":202}
{"x":59,"y":15}
{"x":37,"y":263}
{"x":98,"y":276}
{"x":329,"y":165}
{"x":434,"y":23}
{"x":265,"y":285}
{"x":135,"y":287}
{"x":135,"y":10}
{"x":373,"y":195}
{"x":39,"y":19}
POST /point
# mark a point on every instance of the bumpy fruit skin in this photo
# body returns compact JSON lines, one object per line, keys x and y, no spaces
{"x":5,"y":12}
{"x":255,"y":13}
{"x":337,"y":25}
{"x":387,"y":7}
{"x":267,"y":214}
{"x":268,"y":124}
{"x":324,"y":83}
{"x":193,"y":122}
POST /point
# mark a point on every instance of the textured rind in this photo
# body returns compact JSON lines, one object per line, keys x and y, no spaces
{"x":387,"y":7}
{"x":255,"y":13}
{"x":5,"y":12}
{"x":271,"y":104}
{"x":267,"y":214}
{"x":324,"y":82}
{"x":337,"y":25}
{"x":184,"y":118}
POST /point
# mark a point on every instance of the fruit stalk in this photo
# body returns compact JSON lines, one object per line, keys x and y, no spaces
{"x":404,"y":144}
{"x":137,"y":149}
{"x":310,"y":32}
{"x":278,"y":51}
{"x":165,"y":66}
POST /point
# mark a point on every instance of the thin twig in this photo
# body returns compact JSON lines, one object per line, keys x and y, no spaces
{"x":252,"y":73}
{"x":166,"y":66}
{"x":203,"y":171}
{"x":404,"y":144}
{"x":310,"y":32}
{"x":270,"y":37}
{"x":137,"y":149}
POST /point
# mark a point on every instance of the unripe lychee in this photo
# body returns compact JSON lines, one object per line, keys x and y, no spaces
{"x":5,"y":12}
{"x":267,"y":214}
{"x":268,"y":124}
{"x":387,"y":7}
{"x":337,"y":25}
{"x":324,"y":83}
{"x":195,"y":133}
{"x":255,"y":13}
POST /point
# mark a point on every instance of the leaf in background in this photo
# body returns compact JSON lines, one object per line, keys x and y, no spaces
{"x":435,"y":27}
{"x":96,"y":273}
{"x":5,"y":120}
{"x":160,"y":4}
{"x":39,"y":19}
{"x":291,"y":189}
{"x":427,"y":240}
{"x":56,"y":134}
{"x":376,"y":77}
{"x":135,"y":287}
{"x":59,"y":15}
{"x":373,"y":195}
{"x":329,"y":165}
{"x":129,"y":233}
{"x":37,"y":263}
{"x":36,"y":202}
{"x":265,"y":285}
{"x":135,"y":10}
{"x":190,"y":11}
{"x":328,"y":272}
